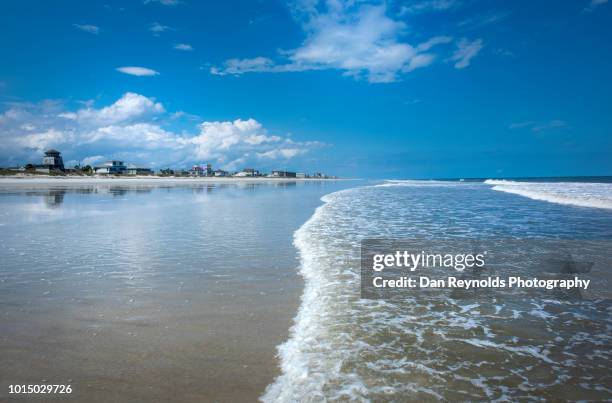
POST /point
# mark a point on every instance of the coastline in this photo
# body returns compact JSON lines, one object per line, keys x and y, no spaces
{"x":149,"y":180}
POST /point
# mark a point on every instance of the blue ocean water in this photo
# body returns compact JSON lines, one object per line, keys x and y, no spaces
{"x":424,"y":347}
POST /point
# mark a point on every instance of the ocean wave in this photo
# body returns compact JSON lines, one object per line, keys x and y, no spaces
{"x":595,"y":195}
{"x":308,"y":359}
{"x":427,"y":346}
{"x":419,"y":183}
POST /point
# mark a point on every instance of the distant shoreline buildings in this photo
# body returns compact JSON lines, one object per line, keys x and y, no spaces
{"x":53,"y":164}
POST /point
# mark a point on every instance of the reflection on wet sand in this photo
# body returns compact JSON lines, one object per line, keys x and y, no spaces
{"x":149,"y":293}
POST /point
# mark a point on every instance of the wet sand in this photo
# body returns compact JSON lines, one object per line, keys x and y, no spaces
{"x":220,"y":349}
{"x":149,"y":293}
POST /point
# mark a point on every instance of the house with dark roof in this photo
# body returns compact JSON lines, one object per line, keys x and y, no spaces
{"x":52,"y":161}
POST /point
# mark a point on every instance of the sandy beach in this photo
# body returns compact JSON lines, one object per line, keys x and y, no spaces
{"x":35,"y":180}
{"x":148,"y":289}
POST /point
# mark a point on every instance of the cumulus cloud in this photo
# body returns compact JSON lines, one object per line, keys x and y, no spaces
{"x":183,"y":46}
{"x":92,"y":160}
{"x":92,"y":29}
{"x":360,"y":40}
{"x":217,"y":138}
{"x":280,"y":153}
{"x":465,"y":52}
{"x":138,"y":129}
{"x":137,"y":71}
{"x":482,"y":20}
{"x":130,"y":106}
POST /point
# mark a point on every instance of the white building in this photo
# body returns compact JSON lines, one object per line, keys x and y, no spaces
{"x":220,"y":172}
{"x":111,"y":168}
{"x":201,"y":170}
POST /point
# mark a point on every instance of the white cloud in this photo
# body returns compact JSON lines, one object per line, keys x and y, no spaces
{"x":415,"y":7}
{"x":92,"y":160}
{"x":359,"y":40}
{"x":138,"y":135}
{"x":137,"y":71}
{"x":280,"y":153}
{"x":240,"y":66}
{"x":466,"y":51}
{"x":551,"y":125}
{"x":183,"y":46}
{"x":43,"y":139}
{"x":127,"y":108}
{"x":163,"y":2}
{"x":158,"y":28}
{"x":92,"y":29}
{"x":216,"y":138}
{"x":594,"y":4}
{"x":436,"y":40}
{"x":555,"y":124}
{"x":521,"y":125}
{"x":138,"y":129}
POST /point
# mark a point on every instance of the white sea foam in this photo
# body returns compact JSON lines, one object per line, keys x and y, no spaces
{"x":422,"y":345}
{"x":418,"y":183}
{"x":308,"y":359}
{"x":597,"y":195}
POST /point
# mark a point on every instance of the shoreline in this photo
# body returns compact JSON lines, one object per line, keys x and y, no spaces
{"x":149,"y":180}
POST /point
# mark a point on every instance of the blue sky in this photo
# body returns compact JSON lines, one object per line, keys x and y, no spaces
{"x":396,"y":89}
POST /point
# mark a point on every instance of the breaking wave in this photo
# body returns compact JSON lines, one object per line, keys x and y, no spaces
{"x":426,"y":346}
{"x":596,"y":195}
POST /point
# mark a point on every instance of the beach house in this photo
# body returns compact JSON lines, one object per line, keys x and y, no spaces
{"x":283,"y":174}
{"x":111,"y":168}
{"x":251,"y":172}
{"x":220,"y":172}
{"x":52,"y":161}
{"x":132,"y":169}
{"x":201,"y":170}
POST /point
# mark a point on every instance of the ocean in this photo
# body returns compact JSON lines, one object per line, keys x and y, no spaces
{"x":424,"y":346}
{"x":244,"y":291}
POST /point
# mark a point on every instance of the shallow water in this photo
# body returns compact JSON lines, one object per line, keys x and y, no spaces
{"x":441,"y":346}
{"x":148,"y":293}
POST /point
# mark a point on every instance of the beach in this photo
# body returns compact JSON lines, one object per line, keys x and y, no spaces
{"x":143,"y":290}
{"x":145,"y":180}
{"x":177,"y":290}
